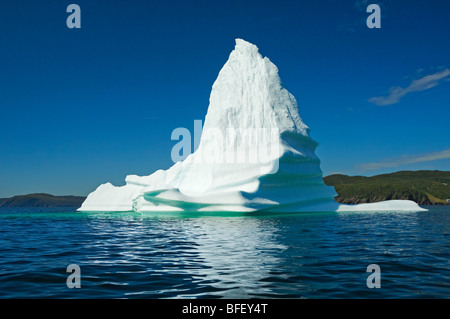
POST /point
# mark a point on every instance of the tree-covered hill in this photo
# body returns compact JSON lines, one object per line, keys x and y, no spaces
{"x":42,"y":200}
{"x":423,"y":187}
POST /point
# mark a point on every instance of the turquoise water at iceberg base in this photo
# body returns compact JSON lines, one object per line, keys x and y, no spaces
{"x":131,"y":255}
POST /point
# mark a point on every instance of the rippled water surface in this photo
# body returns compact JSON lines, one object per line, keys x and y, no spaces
{"x":129,"y":255}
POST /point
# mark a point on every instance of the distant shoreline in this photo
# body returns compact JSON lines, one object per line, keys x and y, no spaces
{"x":42,"y":200}
{"x":422,"y":187}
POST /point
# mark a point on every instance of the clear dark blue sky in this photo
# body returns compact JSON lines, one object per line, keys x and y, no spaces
{"x":80,"y":107}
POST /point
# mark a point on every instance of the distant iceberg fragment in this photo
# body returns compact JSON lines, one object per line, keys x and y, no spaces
{"x":275,"y":169}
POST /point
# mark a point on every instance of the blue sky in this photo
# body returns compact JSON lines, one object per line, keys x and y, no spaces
{"x":80,"y":107}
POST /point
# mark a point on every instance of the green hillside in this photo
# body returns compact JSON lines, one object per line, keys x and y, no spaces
{"x":423,"y":187}
{"x":42,"y":200}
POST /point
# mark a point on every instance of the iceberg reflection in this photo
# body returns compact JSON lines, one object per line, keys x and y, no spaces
{"x":237,"y":253}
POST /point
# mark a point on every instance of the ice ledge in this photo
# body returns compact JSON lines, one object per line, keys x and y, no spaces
{"x":388,"y":205}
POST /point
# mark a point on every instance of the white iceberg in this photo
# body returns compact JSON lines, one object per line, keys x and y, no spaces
{"x":255,"y":154}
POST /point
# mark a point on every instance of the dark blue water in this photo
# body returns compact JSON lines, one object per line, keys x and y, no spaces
{"x":129,"y":255}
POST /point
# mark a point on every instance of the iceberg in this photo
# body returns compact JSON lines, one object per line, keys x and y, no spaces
{"x":255,"y":155}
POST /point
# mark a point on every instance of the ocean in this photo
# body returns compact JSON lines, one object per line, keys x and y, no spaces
{"x":313,"y":255}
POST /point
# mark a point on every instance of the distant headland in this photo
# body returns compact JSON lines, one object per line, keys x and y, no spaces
{"x":42,"y":200}
{"x":422,"y":187}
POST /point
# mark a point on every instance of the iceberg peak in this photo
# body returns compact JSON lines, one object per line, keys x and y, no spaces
{"x":245,"y":47}
{"x":248,"y":93}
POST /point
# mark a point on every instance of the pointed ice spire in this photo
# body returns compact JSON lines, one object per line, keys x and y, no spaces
{"x":248,"y":94}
